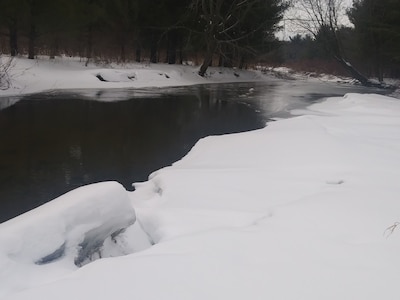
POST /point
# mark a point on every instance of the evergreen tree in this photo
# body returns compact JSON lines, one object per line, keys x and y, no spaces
{"x":377,"y":28}
{"x":232,"y":29}
{"x":232,"y":26}
{"x":11,"y":16}
{"x":122,"y":19}
{"x":164,"y":26}
{"x":90,"y":18}
{"x":321,"y":18}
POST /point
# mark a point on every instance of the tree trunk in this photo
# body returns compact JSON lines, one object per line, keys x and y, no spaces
{"x":212,"y":46}
{"x":242,"y":62}
{"x":153,"y":51}
{"x":171,"y":50}
{"x":32,"y":42}
{"x":138,"y":54}
{"x":180,"y":53}
{"x":225,"y":57}
{"x":54,"y":48}
{"x":354,"y":73}
{"x":206,"y":63}
{"x":378,"y":65}
{"x":122,"y":52}
{"x":89,"y":45}
{"x":380,"y":73}
{"x":339,"y":55}
{"x":13,"y":38}
{"x":220,"y":60}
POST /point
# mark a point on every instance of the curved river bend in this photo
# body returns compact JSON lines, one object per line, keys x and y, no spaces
{"x":54,"y":142}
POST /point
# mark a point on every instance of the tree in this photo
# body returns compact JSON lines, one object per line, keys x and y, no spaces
{"x":377,"y":28}
{"x":232,"y":29}
{"x":173,"y":28}
{"x":122,"y":19}
{"x":228,"y":26}
{"x":300,"y":48}
{"x":34,"y":11}
{"x":11,"y":16}
{"x":168,"y":32}
{"x":90,"y":17}
{"x":322,"y":19}
{"x":47,"y":19}
{"x":5,"y":65}
{"x":58,"y":24}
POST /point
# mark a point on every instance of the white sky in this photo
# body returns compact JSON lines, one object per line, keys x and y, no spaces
{"x":290,"y":29}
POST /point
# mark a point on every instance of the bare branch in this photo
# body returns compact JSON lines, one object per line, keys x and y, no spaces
{"x":311,"y":15}
{"x":5,"y":65}
{"x":389,"y":231}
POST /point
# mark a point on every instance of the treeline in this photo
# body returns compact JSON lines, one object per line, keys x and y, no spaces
{"x":213,"y":32}
{"x":371,"y":45}
{"x":119,"y":30}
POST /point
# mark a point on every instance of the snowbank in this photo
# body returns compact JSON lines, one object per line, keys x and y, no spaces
{"x":297,"y":210}
{"x":32,"y":76}
{"x":72,"y":228}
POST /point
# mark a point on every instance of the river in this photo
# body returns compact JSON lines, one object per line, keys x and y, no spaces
{"x":54,"y":142}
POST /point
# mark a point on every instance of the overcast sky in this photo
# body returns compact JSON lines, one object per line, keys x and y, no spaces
{"x":290,"y":29}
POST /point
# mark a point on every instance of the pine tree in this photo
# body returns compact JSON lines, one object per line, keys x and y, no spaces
{"x":229,"y":27}
{"x":377,"y":28}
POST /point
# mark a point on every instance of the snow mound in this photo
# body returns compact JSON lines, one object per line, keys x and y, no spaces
{"x":74,"y":226}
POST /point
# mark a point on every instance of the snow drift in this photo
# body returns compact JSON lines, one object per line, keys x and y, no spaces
{"x":72,"y":227}
{"x":297,"y":210}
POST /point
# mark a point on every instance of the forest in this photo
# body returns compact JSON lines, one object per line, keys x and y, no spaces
{"x":235,"y":33}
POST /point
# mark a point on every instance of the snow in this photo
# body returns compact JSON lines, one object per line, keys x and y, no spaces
{"x":70,"y":230}
{"x":289,"y":74}
{"x":296,"y":210}
{"x":32,"y":76}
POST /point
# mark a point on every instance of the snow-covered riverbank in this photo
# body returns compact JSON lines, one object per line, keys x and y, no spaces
{"x":32,"y":76}
{"x":297,"y":210}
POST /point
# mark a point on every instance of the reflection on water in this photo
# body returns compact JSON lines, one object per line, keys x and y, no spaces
{"x":52,"y":143}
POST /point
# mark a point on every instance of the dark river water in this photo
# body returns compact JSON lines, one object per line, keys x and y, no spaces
{"x":54,"y":142}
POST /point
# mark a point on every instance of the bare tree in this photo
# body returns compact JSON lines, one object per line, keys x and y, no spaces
{"x":323,"y":20}
{"x":226,"y":24}
{"x":5,"y":65}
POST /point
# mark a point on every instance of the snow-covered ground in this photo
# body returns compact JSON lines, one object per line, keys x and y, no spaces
{"x":32,"y":76}
{"x":297,"y":210}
